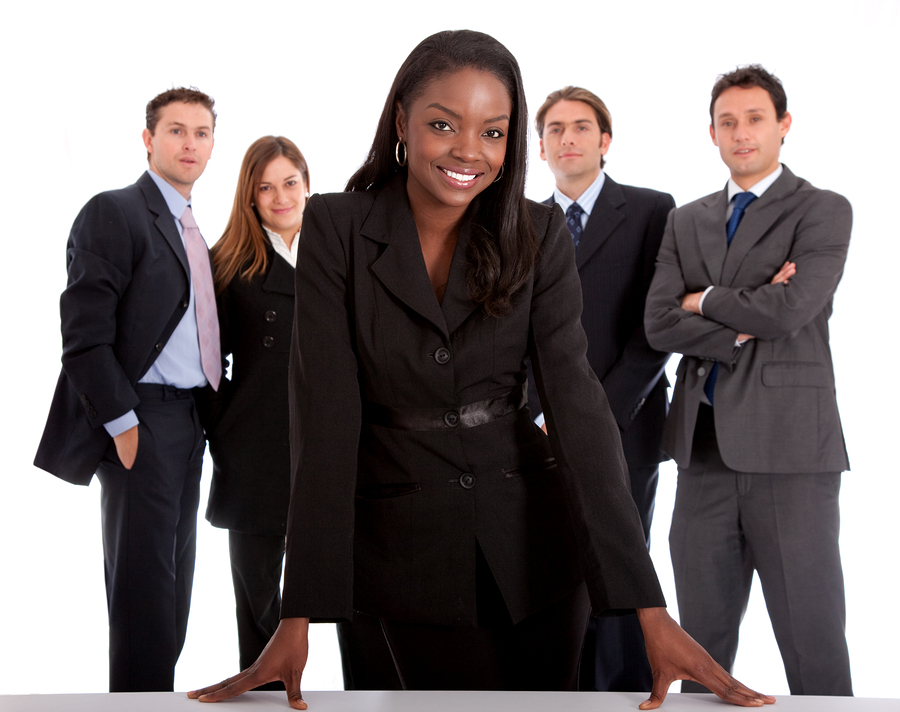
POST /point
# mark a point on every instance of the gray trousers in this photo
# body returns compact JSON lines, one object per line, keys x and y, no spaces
{"x":785,"y":526}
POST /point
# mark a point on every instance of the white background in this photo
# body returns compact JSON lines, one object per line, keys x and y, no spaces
{"x":76,"y":78}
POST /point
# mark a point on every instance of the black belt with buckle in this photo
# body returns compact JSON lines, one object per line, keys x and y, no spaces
{"x":466,"y":416}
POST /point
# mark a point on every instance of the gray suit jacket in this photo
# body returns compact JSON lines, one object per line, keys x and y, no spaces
{"x":775,"y":405}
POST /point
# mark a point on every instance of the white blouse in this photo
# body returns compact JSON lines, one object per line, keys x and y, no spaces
{"x":289,"y":253}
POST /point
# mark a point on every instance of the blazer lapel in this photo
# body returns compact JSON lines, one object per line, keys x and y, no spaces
{"x":457,"y":305}
{"x":761,"y":214}
{"x":710,"y":231}
{"x":280,"y":278}
{"x":401,"y":267}
{"x":604,"y":219}
{"x":164,"y":221}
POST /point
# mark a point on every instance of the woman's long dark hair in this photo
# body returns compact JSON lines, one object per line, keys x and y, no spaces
{"x":503,"y":247}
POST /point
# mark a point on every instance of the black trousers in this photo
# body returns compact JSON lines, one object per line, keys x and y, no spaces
{"x":256,"y":563}
{"x":614,"y":658}
{"x":539,"y":653}
{"x":149,"y":540}
{"x":725,"y":525}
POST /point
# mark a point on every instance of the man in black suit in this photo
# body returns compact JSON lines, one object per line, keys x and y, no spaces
{"x":140,"y":334}
{"x":617,"y":230}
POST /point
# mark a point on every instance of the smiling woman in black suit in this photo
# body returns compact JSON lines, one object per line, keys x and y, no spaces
{"x":254,"y":274}
{"x":423,"y":495}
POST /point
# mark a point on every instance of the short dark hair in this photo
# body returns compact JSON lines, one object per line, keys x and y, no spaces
{"x":188,"y":95}
{"x":750,"y":75}
{"x":570,"y":93}
{"x":503,"y":247}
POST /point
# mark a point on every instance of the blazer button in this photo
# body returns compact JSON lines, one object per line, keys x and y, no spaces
{"x":442,"y":355}
{"x":451,"y":418}
{"x":467,"y":481}
{"x":701,"y":371}
{"x":270,"y":316}
{"x":159,"y":346}
{"x":184,"y":304}
{"x":268,"y":342}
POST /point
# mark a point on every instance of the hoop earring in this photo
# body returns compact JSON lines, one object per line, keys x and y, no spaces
{"x":397,"y":154}
{"x":500,"y":174}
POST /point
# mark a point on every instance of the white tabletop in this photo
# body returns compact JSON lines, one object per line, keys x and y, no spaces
{"x":425,"y":702}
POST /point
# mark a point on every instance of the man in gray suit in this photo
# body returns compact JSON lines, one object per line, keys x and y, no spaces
{"x":743,"y":288}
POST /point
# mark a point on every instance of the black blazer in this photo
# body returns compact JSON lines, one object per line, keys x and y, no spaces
{"x":615,"y":260}
{"x":128,"y":287}
{"x":386,"y":521}
{"x":249,"y":438}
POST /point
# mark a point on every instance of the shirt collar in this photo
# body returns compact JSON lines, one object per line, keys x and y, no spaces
{"x":288,"y":253}
{"x":757,"y":188}
{"x":175,"y":200}
{"x":586,"y":200}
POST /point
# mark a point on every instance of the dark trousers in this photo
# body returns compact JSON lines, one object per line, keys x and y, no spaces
{"x":366,"y":659}
{"x":614,"y":656}
{"x":785,"y":526}
{"x":540,"y":652}
{"x":256,"y":562}
{"x":149,"y":540}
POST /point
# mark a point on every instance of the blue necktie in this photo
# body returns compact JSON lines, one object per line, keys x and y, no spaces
{"x":573,"y":220}
{"x":741,"y":201}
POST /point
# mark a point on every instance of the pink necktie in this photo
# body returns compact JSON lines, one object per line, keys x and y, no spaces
{"x":204,"y":299}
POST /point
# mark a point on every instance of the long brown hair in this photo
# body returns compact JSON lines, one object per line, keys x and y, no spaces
{"x":503,"y":248}
{"x":242,"y":247}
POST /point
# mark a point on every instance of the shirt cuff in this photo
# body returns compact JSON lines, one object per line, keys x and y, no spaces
{"x":702,"y":297}
{"x":539,"y":421}
{"x":121,"y":424}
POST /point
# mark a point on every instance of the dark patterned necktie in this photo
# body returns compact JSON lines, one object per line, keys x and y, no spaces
{"x":741,"y":201}
{"x":573,"y":220}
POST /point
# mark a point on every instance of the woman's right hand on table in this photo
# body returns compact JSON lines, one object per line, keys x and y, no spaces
{"x":283,"y":659}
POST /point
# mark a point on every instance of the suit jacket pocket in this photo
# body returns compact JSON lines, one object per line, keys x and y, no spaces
{"x":795,"y":373}
{"x":531,"y":468}
{"x":388,"y":491}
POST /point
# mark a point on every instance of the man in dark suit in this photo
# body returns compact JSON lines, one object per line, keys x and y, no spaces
{"x":743,"y":288}
{"x":617,"y":230}
{"x":139,"y":334}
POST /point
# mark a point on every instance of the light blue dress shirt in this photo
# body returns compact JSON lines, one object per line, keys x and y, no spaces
{"x":178,"y":364}
{"x":586,"y":200}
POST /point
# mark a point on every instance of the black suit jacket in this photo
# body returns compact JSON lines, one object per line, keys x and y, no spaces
{"x":615,"y":260}
{"x":387,"y":521}
{"x":128,"y":287}
{"x":249,"y":439}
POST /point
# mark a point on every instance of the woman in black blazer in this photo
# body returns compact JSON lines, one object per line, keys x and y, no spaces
{"x":254,"y":274}
{"x":422,"y":494}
